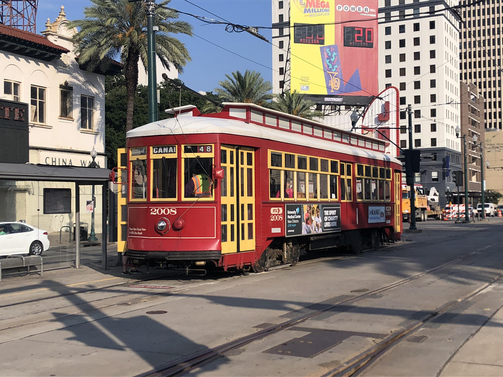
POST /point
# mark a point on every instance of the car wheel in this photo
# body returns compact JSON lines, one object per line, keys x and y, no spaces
{"x":36,"y":248}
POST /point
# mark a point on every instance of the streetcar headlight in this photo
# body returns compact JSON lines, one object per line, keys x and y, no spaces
{"x":162,"y":225}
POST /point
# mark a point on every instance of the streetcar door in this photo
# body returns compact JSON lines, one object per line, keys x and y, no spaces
{"x":238,"y":200}
{"x":398,"y":200}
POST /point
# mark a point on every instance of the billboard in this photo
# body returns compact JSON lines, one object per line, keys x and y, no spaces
{"x":334,"y":48}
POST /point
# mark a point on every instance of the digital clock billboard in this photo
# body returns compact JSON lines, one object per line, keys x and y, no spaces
{"x":334,"y":47}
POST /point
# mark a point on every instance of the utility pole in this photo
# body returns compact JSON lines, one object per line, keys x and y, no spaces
{"x":410,"y":176}
{"x":153,"y":113}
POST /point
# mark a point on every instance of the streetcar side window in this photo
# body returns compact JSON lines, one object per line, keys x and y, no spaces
{"x":346,"y":182}
{"x":275,"y":183}
{"x":140,"y":179}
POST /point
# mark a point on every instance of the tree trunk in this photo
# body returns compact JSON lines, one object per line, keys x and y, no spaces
{"x":131,"y":85}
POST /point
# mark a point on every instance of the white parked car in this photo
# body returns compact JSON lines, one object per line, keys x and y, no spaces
{"x":21,"y":238}
{"x":490,"y":209}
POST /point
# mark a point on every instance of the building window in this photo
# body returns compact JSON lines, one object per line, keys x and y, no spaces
{"x":37,"y":104}
{"x":417,"y":41}
{"x":402,"y":57}
{"x":432,"y":39}
{"x":433,"y":113}
{"x":402,"y":71}
{"x":403,"y":114}
{"x":403,"y":86}
{"x":281,"y":71}
{"x":432,"y":24}
{"x":387,"y":59}
{"x":434,"y":174}
{"x":417,"y":128}
{"x":401,"y":29}
{"x":417,"y":84}
{"x":433,"y":68}
{"x":416,"y":26}
{"x":433,"y":127}
{"x":417,"y":143}
{"x":433,"y":142}
{"x":403,"y":129}
{"x":281,"y":57}
{"x":387,"y":45}
{"x":388,"y":73}
{"x":11,"y":90}
{"x":433,"y":83}
{"x":417,"y":99}
{"x":417,"y":70}
{"x":86,"y":112}
{"x":403,"y":100}
{"x":417,"y":114}
{"x":387,"y":30}
{"x":432,"y":54}
{"x":417,"y":55}
{"x":401,"y":42}
{"x":281,"y":44}
{"x":433,"y":98}
{"x":66,"y":101}
{"x":280,"y":18}
{"x":280,"y":5}
{"x":403,"y":144}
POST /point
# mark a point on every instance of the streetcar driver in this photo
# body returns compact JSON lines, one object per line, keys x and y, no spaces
{"x":198,"y":186}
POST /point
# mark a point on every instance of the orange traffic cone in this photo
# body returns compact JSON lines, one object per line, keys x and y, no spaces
{"x":499,"y":213}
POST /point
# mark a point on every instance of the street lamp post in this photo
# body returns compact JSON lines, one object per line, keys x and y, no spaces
{"x":481,"y":174}
{"x":410,"y":176}
{"x":465,"y":168}
{"x":93,"y":164}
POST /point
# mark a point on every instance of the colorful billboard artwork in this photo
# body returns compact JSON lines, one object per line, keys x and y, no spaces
{"x":334,"y":49}
{"x":334,"y":80}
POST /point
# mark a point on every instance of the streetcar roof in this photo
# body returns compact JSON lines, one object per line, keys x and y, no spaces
{"x":187,"y":124}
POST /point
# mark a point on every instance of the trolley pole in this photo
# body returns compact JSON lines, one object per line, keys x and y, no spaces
{"x":152,"y":75}
{"x":410,"y":176}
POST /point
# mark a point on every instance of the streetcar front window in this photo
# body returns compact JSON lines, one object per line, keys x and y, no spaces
{"x":164,"y":178}
{"x":197,"y":177}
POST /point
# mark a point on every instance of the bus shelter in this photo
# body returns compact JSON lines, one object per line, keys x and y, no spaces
{"x":79,"y":176}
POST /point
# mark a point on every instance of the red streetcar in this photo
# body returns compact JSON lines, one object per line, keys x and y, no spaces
{"x":248,"y":187}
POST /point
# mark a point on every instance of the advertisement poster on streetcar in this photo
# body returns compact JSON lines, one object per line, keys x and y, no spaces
{"x":334,"y":49}
{"x":376,"y":214}
{"x":312,"y":218}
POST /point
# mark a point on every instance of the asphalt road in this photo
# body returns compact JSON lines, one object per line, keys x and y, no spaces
{"x":438,"y":288}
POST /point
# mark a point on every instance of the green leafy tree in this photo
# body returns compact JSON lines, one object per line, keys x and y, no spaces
{"x":119,"y":28}
{"x":295,"y":103}
{"x":492,"y":196}
{"x":249,"y":87}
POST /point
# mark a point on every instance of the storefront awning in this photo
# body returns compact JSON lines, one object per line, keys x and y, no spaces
{"x":30,"y":172}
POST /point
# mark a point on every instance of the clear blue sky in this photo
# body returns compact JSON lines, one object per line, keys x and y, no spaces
{"x":214,"y":51}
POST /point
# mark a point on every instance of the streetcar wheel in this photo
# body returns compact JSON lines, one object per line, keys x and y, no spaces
{"x":294,"y":253}
{"x":261,"y":264}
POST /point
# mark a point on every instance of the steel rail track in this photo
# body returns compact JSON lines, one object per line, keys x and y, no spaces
{"x":196,"y":360}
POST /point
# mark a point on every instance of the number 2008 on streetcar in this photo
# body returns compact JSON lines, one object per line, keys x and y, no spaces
{"x":249,"y":187}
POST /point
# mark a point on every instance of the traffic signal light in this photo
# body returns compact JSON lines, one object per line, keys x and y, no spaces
{"x":457,"y":177}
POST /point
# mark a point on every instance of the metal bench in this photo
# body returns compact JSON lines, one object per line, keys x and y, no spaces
{"x":20,"y":261}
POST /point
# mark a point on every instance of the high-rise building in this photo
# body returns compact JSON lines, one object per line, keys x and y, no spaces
{"x":481,"y":50}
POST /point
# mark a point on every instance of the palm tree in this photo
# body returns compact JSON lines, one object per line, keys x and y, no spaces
{"x":119,"y":27}
{"x":294,"y":103}
{"x":247,"y":88}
